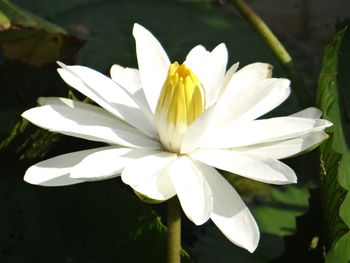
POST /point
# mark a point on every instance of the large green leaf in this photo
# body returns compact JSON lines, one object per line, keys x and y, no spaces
{"x":335,"y":155}
{"x":29,"y":48}
{"x":29,"y":39}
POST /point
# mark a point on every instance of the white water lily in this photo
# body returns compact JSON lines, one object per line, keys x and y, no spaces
{"x":168,"y":125}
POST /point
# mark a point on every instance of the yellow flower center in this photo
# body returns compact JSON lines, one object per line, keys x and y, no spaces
{"x":181,"y":101}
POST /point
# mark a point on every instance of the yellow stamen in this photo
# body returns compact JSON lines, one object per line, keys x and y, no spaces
{"x":181,"y":101}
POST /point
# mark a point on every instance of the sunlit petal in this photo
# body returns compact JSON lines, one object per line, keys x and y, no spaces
{"x":142,"y":166}
{"x":105,"y":163}
{"x":158,"y":187}
{"x":192,"y":190}
{"x":228,"y":75}
{"x":129,"y":78}
{"x":310,"y":112}
{"x":56,"y":171}
{"x":88,"y":122}
{"x":252,"y":103}
{"x":108,"y":94}
{"x":245,"y":77}
{"x":260,"y":168}
{"x":153,"y":64}
{"x":230,"y":214}
{"x":285,"y":148}
{"x":262,"y":131}
{"x":210,"y":68}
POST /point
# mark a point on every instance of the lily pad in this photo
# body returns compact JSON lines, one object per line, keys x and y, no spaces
{"x":335,"y":155}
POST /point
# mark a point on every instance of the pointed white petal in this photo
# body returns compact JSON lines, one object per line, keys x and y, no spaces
{"x":192,"y":190}
{"x":88,"y":122}
{"x":129,"y":78}
{"x":285,"y":148}
{"x":209,"y":68}
{"x":158,"y":187}
{"x":56,"y":171}
{"x":251,"y":103}
{"x":262,"y":131}
{"x":104,"y":164}
{"x":143,"y":166}
{"x":108,"y":94}
{"x":196,"y":58}
{"x":197,"y":130}
{"x":230,"y":214}
{"x":245,"y":77}
{"x":310,"y":112}
{"x":153,"y":64}
{"x":228,"y":75}
{"x":58,"y":101}
{"x":256,"y":167}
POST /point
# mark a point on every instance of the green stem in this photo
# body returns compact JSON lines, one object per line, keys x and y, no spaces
{"x":278,"y":50}
{"x":174,"y":231}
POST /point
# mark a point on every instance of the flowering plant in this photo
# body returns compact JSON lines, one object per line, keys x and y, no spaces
{"x":168,"y":126}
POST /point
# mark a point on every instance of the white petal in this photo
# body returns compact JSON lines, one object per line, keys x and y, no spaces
{"x":209,"y":68}
{"x":230,"y":214}
{"x":262,"y":131}
{"x":196,"y":58}
{"x":251,"y":103}
{"x":158,"y":187}
{"x":129,"y":78}
{"x":256,"y":167}
{"x":285,"y":148}
{"x":88,"y":122}
{"x":196,"y":130}
{"x":58,"y":101}
{"x":153,"y":64}
{"x":228,"y":75}
{"x":56,"y":171}
{"x":104,"y":164}
{"x":310,"y":112}
{"x":142,"y":167}
{"x":108,"y":94}
{"x":262,"y":96}
{"x":192,"y":190}
{"x":245,"y":77}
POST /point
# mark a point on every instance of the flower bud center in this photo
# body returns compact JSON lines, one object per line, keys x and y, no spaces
{"x":181,"y":101}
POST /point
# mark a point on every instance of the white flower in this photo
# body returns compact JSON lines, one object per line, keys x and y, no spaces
{"x":168,"y":125}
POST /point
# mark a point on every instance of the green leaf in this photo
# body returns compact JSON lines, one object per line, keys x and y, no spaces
{"x":335,"y":155}
{"x":14,"y":16}
{"x":30,"y":47}
{"x":333,"y":194}
{"x":29,"y":39}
